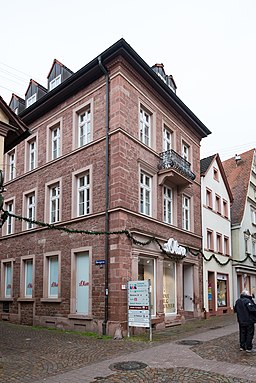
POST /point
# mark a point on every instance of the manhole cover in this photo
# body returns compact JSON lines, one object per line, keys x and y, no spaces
{"x":128,"y":366}
{"x":189,"y":342}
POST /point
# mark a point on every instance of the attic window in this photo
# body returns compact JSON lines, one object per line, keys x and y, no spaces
{"x":31,"y":100}
{"x":55,"y":82}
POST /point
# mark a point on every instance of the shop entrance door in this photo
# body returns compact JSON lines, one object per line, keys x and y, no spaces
{"x":82,"y":283}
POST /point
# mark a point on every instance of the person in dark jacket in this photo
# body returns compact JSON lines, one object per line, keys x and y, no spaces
{"x":245,"y":310}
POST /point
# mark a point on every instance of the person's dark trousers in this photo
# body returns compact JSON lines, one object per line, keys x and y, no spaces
{"x":246,"y":336}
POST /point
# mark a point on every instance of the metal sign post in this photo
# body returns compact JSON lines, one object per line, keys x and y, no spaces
{"x":139,"y":305}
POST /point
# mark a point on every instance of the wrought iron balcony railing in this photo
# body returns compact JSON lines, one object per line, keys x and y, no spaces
{"x":171,"y":159}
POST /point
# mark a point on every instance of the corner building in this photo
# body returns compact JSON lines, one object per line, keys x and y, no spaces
{"x":112,"y":148}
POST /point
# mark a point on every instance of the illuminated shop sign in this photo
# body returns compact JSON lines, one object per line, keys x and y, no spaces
{"x":172,"y":246}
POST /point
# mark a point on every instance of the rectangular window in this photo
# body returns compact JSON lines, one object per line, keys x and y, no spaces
{"x":11,"y":163}
{"x":217,"y":204}
{"x":146,"y":270}
{"x":246,"y":244}
{"x":84,"y":127}
{"x":185,"y":213}
{"x":145,"y":194}
{"x":31,"y":100}
{"x":28,"y":278}
{"x":169,"y":288}
{"x":254,"y":248}
{"x":145,"y":127}
{"x":167,"y":139}
{"x":253,"y":213}
{"x":209,"y":198}
{"x":55,"y":82}
{"x":10,"y":221}
{"x":225,"y":208}
{"x":226,"y":246}
{"x":32,"y":154}
{"x":185,"y":151}
{"x":167,"y":205}
{"x":219,"y":243}
{"x":209,"y":239}
{"x":54,"y":203}
{"x":53,"y":277}
{"x":83,"y":194}
{"x":7,"y":279}
{"x":55,"y":143}
{"x":215,"y":174}
{"x":31,"y":209}
{"x":222,"y":280}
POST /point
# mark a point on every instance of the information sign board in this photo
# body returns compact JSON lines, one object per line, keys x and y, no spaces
{"x":139,"y":303}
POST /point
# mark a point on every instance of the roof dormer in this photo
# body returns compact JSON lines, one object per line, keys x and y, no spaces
{"x":17,"y":104}
{"x":168,"y":80}
{"x":34,"y":92}
{"x":58,"y":73}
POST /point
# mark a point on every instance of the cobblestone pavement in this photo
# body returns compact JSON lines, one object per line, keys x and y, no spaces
{"x":41,"y":355}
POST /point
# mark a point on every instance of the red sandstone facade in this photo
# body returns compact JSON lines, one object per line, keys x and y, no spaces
{"x":51,"y":277}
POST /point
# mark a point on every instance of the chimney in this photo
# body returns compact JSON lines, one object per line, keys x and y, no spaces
{"x":237,"y":158}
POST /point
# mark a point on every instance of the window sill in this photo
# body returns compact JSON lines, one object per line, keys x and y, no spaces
{"x":6,"y":299}
{"x":26,"y":299}
{"x":51,"y":300}
{"x":80,"y":316}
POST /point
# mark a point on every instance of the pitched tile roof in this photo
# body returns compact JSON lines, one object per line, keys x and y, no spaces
{"x":238,"y":174}
{"x":205,"y":164}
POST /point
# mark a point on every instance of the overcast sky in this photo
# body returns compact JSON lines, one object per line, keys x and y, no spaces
{"x":208,"y":46}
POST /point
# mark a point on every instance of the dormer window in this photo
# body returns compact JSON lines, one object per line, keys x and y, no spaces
{"x":31,"y":100}
{"x":55,"y":82}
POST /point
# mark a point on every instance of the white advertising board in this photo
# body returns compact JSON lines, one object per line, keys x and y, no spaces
{"x":139,"y":303}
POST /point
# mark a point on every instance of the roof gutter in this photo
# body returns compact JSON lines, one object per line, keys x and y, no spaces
{"x":104,"y":324}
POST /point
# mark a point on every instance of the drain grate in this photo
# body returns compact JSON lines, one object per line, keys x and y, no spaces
{"x":190,"y":342}
{"x":215,"y":328}
{"x":128,"y":366}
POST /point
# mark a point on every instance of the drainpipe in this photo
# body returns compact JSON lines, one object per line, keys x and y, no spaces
{"x":104,"y":324}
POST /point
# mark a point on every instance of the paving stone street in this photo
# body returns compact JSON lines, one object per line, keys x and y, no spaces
{"x":198,"y":351}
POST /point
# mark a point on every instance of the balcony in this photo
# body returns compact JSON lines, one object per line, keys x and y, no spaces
{"x":176,"y":168}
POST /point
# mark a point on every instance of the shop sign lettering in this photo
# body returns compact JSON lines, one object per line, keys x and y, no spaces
{"x":172,"y":246}
{"x":54,"y":284}
{"x":83,"y":283}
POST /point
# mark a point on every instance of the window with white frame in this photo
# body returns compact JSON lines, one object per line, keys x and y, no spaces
{"x":55,"y":82}
{"x":84,"y":127}
{"x":185,"y":212}
{"x":51,"y":276}
{"x":253,"y":214}
{"x":55,"y":142}
{"x":31,"y":209}
{"x":167,"y":139}
{"x":145,"y":193}
{"x":9,"y":225}
{"x":83,"y":193}
{"x":11,"y":164}
{"x":8,"y":279}
{"x":169,"y":287}
{"x":31,"y":100}
{"x":246,"y":244}
{"x":32,"y":152}
{"x":185,"y":151}
{"x":146,"y":270}
{"x":145,"y":127}
{"x":254,"y":247}
{"x":54,"y":203}
{"x":168,"y":201}
{"x":28,"y":278}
